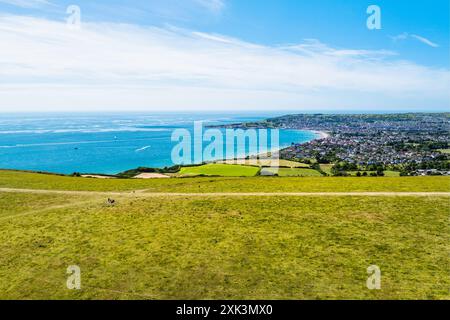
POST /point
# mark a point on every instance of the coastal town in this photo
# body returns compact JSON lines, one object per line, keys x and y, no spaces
{"x":411,"y":143}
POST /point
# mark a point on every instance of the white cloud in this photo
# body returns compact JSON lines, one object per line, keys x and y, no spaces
{"x":402,"y":36}
{"x":425,"y":40}
{"x":26,"y":3}
{"x":405,"y":36}
{"x":47,"y":66}
{"x":313,"y":46}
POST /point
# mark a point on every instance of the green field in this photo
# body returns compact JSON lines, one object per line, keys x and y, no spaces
{"x":223,"y":170}
{"x":15,"y":179}
{"x":327,"y":168}
{"x":293,"y":172}
{"x":266,"y":163}
{"x":387,"y":173}
{"x":221,"y":247}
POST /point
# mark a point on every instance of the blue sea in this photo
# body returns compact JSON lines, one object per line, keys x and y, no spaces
{"x":104,"y":143}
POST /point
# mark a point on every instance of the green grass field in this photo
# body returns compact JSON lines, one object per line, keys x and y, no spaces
{"x":266,"y":163}
{"x":389,"y":173}
{"x":294,"y":172}
{"x":15,"y":179}
{"x":220,"y":247}
{"x":326,"y":168}
{"x":223,"y":170}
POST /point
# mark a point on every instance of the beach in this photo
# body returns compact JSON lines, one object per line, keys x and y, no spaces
{"x":322,"y":134}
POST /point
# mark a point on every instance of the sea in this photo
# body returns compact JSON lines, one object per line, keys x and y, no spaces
{"x":106,"y":143}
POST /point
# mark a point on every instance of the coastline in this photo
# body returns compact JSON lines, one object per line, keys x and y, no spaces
{"x":101,"y":173}
{"x":322,"y":134}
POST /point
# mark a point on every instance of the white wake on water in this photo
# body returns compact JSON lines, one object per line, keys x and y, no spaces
{"x":143,"y":148}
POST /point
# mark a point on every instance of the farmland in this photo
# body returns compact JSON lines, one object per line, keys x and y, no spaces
{"x":223,"y":170}
{"x":266,"y":163}
{"x":292,"y":172}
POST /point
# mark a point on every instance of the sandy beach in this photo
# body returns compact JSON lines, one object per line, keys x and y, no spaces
{"x":322,"y":134}
{"x":263,"y":156}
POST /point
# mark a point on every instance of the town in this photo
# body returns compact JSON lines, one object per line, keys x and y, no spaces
{"x":410,"y":143}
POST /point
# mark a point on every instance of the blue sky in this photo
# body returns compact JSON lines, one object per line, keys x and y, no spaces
{"x":302,"y":40}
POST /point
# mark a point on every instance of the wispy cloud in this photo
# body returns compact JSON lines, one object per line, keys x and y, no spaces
{"x":314,"y":46}
{"x":118,"y":66}
{"x":405,"y":36}
{"x":27,"y":3}
{"x":399,"y":37}
{"x":425,"y":40}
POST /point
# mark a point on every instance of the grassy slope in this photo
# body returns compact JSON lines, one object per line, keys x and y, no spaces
{"x":224,"y":170}
{"x":244,"y":248}
{"x":11,"y":179}
{"x":24,"y":204}
{"x":249,"y":248}
{"x":294,"y":172}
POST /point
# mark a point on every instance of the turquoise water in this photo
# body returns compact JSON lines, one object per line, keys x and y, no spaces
{"x":103,"y":143}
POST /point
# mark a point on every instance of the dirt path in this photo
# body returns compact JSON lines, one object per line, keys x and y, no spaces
{"x":145,"y":194}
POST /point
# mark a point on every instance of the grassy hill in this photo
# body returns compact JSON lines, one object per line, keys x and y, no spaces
{"x":220,"y":247}
{"x":17,"y":179}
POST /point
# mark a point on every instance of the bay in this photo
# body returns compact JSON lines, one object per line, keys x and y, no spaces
{"x":105,"y":143}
